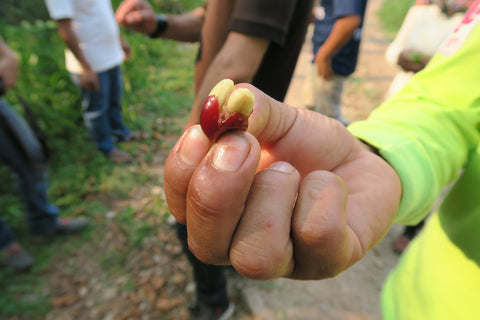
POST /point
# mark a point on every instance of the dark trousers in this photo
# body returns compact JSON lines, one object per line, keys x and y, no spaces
{"x":32,"y":184}
{"x":210,"y":280}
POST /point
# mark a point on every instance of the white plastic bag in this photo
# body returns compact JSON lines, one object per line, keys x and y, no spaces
{"x":424,"y":29}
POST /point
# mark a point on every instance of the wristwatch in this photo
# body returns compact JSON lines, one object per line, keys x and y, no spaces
{"x":162,"y":26}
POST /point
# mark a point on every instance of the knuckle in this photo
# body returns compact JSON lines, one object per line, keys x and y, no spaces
{"x":314,"y":234}
{"x":257,"y":263}
{"x":205,"y":253}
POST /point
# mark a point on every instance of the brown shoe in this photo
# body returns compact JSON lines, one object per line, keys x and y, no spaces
{"x":119,"y":156}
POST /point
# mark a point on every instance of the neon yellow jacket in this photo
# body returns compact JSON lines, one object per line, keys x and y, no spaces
{"x":429,"y":132}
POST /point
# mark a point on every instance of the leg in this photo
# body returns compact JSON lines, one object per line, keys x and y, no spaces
{"x":320,"y":92}
{"x":337,"y":84}
{"x":94,"y":107}
{"x":6,"y":235}
{"x":32,"y":183}
{"x":118,"y":129}
{"x":11,"y":253}
{"x":210,"y":280}
{"x":328,"y":96}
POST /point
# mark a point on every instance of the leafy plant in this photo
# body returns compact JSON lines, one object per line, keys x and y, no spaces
{"x":158,"y":94}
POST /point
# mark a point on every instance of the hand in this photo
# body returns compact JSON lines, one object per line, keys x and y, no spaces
{"x":126,"y":48}
{"x":9,"y":66}
{"x":412,"y":61}
{"x":295,"y":196}
{"x":324,"y":65}
{"x":137,"y":15}
{"x":89,"y":81}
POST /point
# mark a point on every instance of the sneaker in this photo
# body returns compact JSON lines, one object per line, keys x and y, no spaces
{"x":66,"y":226}
{"x":135,"y":136}
{"x":15,"y":257}
{"x":119,"y":156}
{"x":202,"y":311}
{"x":71,"y":225}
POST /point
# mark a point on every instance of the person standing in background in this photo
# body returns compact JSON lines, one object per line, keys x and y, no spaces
{"x":21,"y":150}
{"x":336,"y":44}
{"x":94,"y":53}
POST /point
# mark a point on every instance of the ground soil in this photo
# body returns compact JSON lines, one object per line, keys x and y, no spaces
{"x":155,"y":282}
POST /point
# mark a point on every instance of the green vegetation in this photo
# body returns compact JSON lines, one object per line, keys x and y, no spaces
{"x":392,"y":13}
{"x":158,"y":93}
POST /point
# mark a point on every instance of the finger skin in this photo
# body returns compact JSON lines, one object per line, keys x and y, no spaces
{"x":180,"y":165}
{"x":312,"y":142}
{"x":319,"y":227}
{"x":342,"y":214}
{"x":307,"y":140}
{"x":346,"y":203}
{"x":123,"y":9}
{"x":137,"y":15}
{"x":217,"y":193}
{"x":262,"y":247}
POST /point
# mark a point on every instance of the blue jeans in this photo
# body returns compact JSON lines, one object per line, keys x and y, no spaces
{"x":32,"y":184}
{"x":102,"y":110}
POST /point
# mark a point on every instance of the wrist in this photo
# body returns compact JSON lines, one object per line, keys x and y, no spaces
{"x":161,"y":26}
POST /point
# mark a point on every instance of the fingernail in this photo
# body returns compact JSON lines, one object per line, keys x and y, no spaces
{"x":230,"y":154}
{"x":194,"y":147}
{"x":282,"y":166}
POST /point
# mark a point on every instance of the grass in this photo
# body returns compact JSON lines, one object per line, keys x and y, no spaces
{"x":392,"y":13}
{"x":158,"y":94}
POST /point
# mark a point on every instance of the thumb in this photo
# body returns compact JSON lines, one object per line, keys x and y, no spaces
{"x":308,"y":140}
{"x":270,"y":118}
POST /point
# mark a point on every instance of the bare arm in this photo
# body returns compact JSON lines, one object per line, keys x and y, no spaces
{"x":342,"y":32}
{"x":8,"y":65}
{"x":88,"y":79}
{"x":185,"y":27}
{"x":214,"y":33}
{"x":238,"y":60}
{"x":138,"y":15}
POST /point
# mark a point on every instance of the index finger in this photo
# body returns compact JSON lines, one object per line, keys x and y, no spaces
{"x":217,"y":194}
{"x":184,"y":158}
{"x":123,"y":8}
{"x":128,"y":13}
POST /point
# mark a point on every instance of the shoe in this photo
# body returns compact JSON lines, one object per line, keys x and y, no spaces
{"x":15,"y":257}
{"x":66,"y":226}
{"x":119,"y":156}
{"x":202,"y":311}
{"x":71,"y":225}
{"x":135,"y":136}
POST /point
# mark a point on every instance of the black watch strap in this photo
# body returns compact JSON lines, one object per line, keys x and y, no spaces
{"x":162,"y":26}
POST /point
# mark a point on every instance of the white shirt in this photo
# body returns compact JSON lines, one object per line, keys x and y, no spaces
{"x":93,"y":22}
